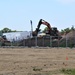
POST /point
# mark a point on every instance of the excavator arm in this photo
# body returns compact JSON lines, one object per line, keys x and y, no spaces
{"x":38,"y":27}
{"x":44,"y":23}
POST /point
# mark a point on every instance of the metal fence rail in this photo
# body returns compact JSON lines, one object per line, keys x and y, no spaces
{"x":47,"y":41}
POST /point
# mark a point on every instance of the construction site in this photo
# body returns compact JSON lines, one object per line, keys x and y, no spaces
{"x":50,"y":38}
{"x":37,"y":37}
{"x":48,"y":53}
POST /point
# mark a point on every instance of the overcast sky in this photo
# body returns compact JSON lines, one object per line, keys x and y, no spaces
{"x":16,"y":14}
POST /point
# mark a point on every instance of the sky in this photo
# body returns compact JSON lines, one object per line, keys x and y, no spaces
{"x":16,"y":14}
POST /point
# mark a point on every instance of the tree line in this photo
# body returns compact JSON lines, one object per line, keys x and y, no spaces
{"x":66,"y":30}
{"x":6,"y":30}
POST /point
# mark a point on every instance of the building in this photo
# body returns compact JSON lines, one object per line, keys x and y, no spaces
{"x":17,"y":36}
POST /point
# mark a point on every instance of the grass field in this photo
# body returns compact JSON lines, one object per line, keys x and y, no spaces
{"x":37,"y":61}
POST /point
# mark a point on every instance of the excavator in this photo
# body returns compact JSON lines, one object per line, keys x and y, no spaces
{"x":50,"y":31}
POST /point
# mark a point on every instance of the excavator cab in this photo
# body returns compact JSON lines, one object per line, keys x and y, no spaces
{"x":54,"y":28}
{"x":55,"y":31}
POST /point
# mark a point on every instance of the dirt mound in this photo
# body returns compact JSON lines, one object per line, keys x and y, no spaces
{"x":70,"y":38}
{"x":1,"y":39}
{"x":71,"y":34}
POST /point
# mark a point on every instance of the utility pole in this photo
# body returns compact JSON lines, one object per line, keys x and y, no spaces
{"x":31,"y":28}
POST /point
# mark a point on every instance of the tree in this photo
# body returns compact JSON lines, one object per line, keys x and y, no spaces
{"x":5,"y":30}
{"x":72,"y":28}
{"x":1,"y":33}
{"x":62,"y":31}
{"x":45,"y":29}
{"x":67,"y":30}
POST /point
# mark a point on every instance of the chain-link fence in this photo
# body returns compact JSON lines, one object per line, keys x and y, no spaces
{"x":47,"y":41}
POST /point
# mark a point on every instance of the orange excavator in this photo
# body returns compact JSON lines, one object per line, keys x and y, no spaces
{"x":50,"y":31}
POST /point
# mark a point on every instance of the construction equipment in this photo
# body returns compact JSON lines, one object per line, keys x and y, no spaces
{"x":50,"y":31}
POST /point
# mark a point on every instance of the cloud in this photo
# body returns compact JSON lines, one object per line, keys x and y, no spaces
{"x":66,"y":1}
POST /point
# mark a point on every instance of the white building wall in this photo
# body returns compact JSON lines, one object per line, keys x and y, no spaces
{"x":17,"y":36}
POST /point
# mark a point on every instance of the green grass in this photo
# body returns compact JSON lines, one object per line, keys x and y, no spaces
{"x":37,"y":69}
{"x":68,"y":71}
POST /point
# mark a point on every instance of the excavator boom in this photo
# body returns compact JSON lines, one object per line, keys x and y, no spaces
{"x":44,"y":23}
{"x":38,"y":27}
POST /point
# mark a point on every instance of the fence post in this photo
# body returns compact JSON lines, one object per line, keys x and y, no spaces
{"x":24,"y":42}
{"x":35,"y":40}
{"x":43,"y":41}
{"x":74,"y":41}
{"x":50,"y":41}
{"x":66,"y":41}
{"x":58,"y":41}
{"x":11,"y":43}
{"x":0,"y":43}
